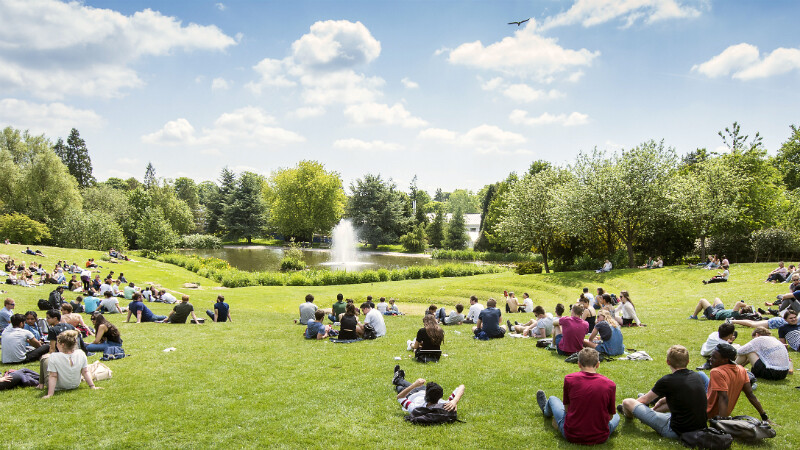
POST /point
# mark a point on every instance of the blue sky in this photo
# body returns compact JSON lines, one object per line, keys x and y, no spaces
{"x":445,"y":90}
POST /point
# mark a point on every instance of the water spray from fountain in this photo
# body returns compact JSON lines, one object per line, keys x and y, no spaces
{"x":343,"y":247}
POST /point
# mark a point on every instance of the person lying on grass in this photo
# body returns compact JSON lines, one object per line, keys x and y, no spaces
{"x":610,"y":334}
{"x":421,"y":394}
{"x":427,"y":344}
{"x":767,"y":356}
{"x":587,"y":415}
{"x":789,"y":318}
{"x":540,"y":327}
{"x":725,"y":334}
{"x":784,"y":303}
{"x":681,"y":396}
{"x":727,"y":381}
{"x":717,"y":311}
{"x":65,"y":368}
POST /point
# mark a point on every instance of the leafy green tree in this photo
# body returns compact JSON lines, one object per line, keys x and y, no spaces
{"x":150,"y":179}
{"x":456,"y":238}
{"x":246,"y":213}
{"x":376,"y":209}
{"x":186,"y":190}
{"x":441,"y":196}
{"x":531,"y":217}
{"x":464,"y":200}
{"x":75,"y":156}
{"x":216,"y":201}
{"x":89,"y":231}
{"x":116,"y":183}
{"x":489,"y":238}
{"x":436,"y":227}
{"x":154,"y":233}
{"x":538,"y":166}
{"x":420,"y":200}
{"x":788,"y":160}
{"x":305,"y":200}
{"x":132,"y":183}
{"x":21,"y":228}
{"x":416,"y":240}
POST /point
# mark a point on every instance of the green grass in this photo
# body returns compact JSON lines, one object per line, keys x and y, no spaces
{"x":257,"y":383}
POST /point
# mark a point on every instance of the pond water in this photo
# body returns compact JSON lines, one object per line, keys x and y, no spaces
{"x":262,"y":258}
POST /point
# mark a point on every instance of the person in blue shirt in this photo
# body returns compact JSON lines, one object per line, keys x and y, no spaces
{"x":142,"y":312}
{"x":30,"y":324}
{"x":90,"y":302}
{"x":221,"y":311}
{"x":315,"y":328}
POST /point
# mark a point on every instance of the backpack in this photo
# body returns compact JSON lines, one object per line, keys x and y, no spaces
{"x":369,"y":332}
{"x":431,"y":416}
{"x":546,"y":342}
{"x":573,"y":358}
{"x":113,"y":353}
{"x":43,"y":305}
{"x":707,"y":438}
{"x":745,"y":428}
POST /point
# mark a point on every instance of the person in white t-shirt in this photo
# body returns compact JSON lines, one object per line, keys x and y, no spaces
{"x":475,"y":309}
{"x":373,"y":318}
{"x":589,"y":296}
{"x":382,"y":306}
{"x":66,"y":367}
{"x":527,"y":303}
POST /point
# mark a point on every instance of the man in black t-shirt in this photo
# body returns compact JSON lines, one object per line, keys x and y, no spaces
{"x":683,"y":406}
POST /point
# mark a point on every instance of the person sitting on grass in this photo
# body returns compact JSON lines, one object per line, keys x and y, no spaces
{"x":569,"y":332}
{"x":372,"y":319}
{"x":527,"y":303}
{"x":587,"y":414}
{"x":348,"y":323}
{"x":717,"y":311}
{"x":681,"y":399}
{"x":128,"y":291}
{"x":589,"y":314}
{"x":648,"y":264}
{"x":142,"y":312}
{"x":489,"y":321}
{"x":90,"y":302}
{"x":315,"y":329}
{"x":627,"y":311}
{"x":512,"y":304}
{"x":65,"y":368}
{"x":31,"y":319}
{"x":56,"y":298}
{"x":74,"y":319}
{"x":540,"y":327}
{"x":337,"y":309}
{"x":610,"y":334}
{"x":789,"y":334}
{"x":6,"y":313}
{"x":427,"y":344}
{"x":727,"y":381}
{"x":16,"y":342}
{"x":110,"y":304}
{"x":607,"y":266}
{"x":778,"y":275}
{"x":767,"y":356}
{"x":382,"y":306}
{"x":420,"y":393}
{"x":785,"y":302}
{"x":106,"y":334}
{"x":182,"y":311}
{"x":720,"y":277}
{"x":789,"y":318}
{"x":77,"y":305}
{"x":392,"y":309}
{"x":222,"y":311}
{"x":74,"y":284}
{"x":456,"y":317}
{"x":166,"y":297}
{"x":725,"y":334}
{"x":475,"y":309}
{"x":307,"y":310}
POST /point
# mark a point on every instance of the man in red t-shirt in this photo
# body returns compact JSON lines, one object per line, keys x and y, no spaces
{"x":570,"y":331}
{"x":587,"y":415}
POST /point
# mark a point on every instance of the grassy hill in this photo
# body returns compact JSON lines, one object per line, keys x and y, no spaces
{"x":256,"y":382}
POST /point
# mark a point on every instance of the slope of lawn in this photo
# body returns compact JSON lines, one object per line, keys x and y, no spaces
{"x":256,"y":382}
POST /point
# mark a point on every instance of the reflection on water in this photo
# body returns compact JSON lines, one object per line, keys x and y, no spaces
{"x":260,"y":258}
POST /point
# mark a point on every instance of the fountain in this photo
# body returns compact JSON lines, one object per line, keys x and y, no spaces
{"x":343,"y":247}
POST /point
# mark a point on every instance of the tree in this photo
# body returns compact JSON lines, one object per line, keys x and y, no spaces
{"x":537,"y":166}
{"x":116,"y":183}
{"x":305,"y":200}
{"x":154,"y":233}
{"x":464,"y":200}
{"x":734,"y":140}
{"x":420,"y":200}
{"x":150,"y":179}
{"x":75,"y":156}
{"x":186,"y":190}
{"x":441,"y":196}
{"x":457,"y":238}
{"x":216,"y":201}
{"x":89,"y":231}
{"x":530,"y":219}
{"x":416,"y":240}
{"x":376,"y":209}
{"x":788,"y":160}
{"x":436,"y":228}
{"x":246,"y":214}
{"x":21,"y":228}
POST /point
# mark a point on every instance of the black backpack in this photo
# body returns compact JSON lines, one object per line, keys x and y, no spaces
{"x":431,"y":416}
{"x":43,"y":305}
{"x":369,"y":332}
{"x":745,"y":428}
{"x":707,"y":438}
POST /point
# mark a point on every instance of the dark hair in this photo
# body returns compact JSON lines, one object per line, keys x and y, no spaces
{"x":538,"y":310}
{"x":725,"y":330}
{"x":432,"y":308}
{"x":491,"y":303}
{"x":137,"y":296}
{"x":107,"y":294}
{"x":31,"y":313}
{"x":600,"y":291}
{"x":585,"y":289}
{"x":17,"y":320}
{"x":432,"y":329}
{"x":369,"y":298}
{"x":366,"y":305}
{"x":339,"y":297}
{"x":727,"y":351}
{"x":112,"y":332}
{"x":559,"y":309}
{"x":54,"y":314}
{"x":433,"y":392}
{"x":309,"y":298}
{"x":319,"y":314}
{"x":473,"y":297}
{"x":459,"y":307}
{"x":220,"y":298}
{"x":350,"y":310}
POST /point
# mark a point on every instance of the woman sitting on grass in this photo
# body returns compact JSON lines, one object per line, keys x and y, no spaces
{"x":588,"y":313}
{"x":348,"y":322}
{"x":609,"y":332}
{"x":107,"y":335}
{"x":65,"y":368}
{"x":720,"y":277}
{"x":74,"y":319}
{"x":427,"y":345}
{"x":627,"y":310}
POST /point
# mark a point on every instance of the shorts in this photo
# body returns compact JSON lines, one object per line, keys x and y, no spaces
{"x":711,"y":311}
{"x":775,"y":322}
{"x":761,"y":371}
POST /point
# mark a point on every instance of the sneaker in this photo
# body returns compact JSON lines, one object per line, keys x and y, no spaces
{"x":639,"y":395}
{"x":620,"y":411}
{"x":693,"y":317}
{"x":541,"y":399}
{"x":705,"y":282}
{"x":761,"y":311}
{"x":516,"y":323}
{"x":399,"y":375}
{"x":706,"y":366}
{"x":510,"y":327}
{"x":729,"y":320}
{"x":774,"y":312}
{"x":397,"y":368}
{"x":89,"y":354}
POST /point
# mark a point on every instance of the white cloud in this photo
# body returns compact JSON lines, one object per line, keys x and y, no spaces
{"x":53,"y":119}
{"x":220,"y":84}
{"x":526,"y":54}
{"x":575,"y":77}
{"x":743,"y":61}
{"x":378,"y":113}
{"x":211,"y":151}
{"x":594,"y":12}
{"x":483,"y":139}
{"x":409,"y":84}
{"x":306,"y":112}
{"x":272,"y":75}
{"x":492,"y":84}
{"x":520,"y":92}
{"x":520,"y":117}
{"x":335,"y":45}
{"x":119,"y":174}
{"x":247,"y":127}
{"x":220,"y":6}
{"x":358,"y":144}
{"x":344,"y":86}
{"x":438,"y":134}
{"x":52,"y":49}
{"x":127,"y":161}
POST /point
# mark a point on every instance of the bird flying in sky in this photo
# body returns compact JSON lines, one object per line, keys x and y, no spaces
{"x":520,"y":22}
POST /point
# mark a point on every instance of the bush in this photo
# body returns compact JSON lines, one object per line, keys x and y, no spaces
{"x":369,"y":276}
{"x":270,"y":279}
{"x":431,"y":272}
{"x":294,"y":251}
{"x":88,"y":231}
{"x":772,"y":242}
{"x":298,"y":279}
{"x":200,"y":241}
{"x":21,"y":228}
{"x":154,"y":233}
{"x":413,"y":273}
{"x":529,"y":267}
{"x":397,"y":275}
{"x":416,"y":240}
{"x":472,"y":255}
{"x":383,"y":274}
{"x":288,"y":263}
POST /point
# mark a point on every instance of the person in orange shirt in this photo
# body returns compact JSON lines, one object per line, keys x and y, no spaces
{"x":726,"y":382}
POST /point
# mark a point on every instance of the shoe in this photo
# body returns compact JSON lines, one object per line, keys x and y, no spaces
{"x":774,"y":312}
{"x":693,"y":317}
{"x":399,"y":375}
{"x":510,"y":327}
{"x":516,"y":323}
{"x":397,"y":368}
{"x":706,"y":366}
{"x":89,"y":354}
{"x":639,"y":395}
{"x":705,"y":282}
{"x":761,"y":311}
{"x":729,"y":320}
{"x":541,"y":399}
{"x":620,"y":411}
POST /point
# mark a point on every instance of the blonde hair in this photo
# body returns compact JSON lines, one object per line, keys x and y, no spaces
{"x":68,"y":340}
{"x":678,"y":357}
{"x":608,"y":317}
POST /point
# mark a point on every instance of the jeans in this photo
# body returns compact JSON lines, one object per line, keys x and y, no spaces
{"x":655,"y":420}
{"x":555,"y":408}
{"x":101,"y":347}
{"x":159,"y":318}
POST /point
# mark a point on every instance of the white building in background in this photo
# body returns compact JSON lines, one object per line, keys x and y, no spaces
{"x":472,"y":225}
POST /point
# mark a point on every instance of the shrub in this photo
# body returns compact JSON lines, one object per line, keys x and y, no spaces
{"x":294,"y":251}
{"x":89,"y":231}
{"x":288,"y":263}
{"x":772,"y":242}
{"x":397,"y":275}
{"x":431,"y":272}
{"x":416,"y":240}
{"x":154,"y":233}
{"x":383,"y":274}
{"x":298,"y":279}
{"x":413,"y":273}
{"x":21,"y":228}
{"x":369,"y":276}
{"x":472,"y":255}
{"x":529,"y":267}
{"x":200,"y":241}
{"x":270,"y":278}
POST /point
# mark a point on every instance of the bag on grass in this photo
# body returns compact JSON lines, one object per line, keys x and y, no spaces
{"x":99,"y":371}
{"x":573,"y":358}
{"x":541,"y":343}
{"x":707,"y":438}
{"x":745,"y":428}
{"x":431,"y":416}
{"x":369,"y":332}
{"x":43,"y":304}
{"x":113,"y":353}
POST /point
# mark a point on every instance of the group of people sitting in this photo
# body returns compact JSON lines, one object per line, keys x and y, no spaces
{"x":653,"y":263}
{"x":345,"y":315}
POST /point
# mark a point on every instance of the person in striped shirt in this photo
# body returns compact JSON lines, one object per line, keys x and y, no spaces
{"x":421,"y":393}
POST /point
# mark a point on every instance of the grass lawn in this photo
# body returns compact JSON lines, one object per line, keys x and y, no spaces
{"x":256,"y":382}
